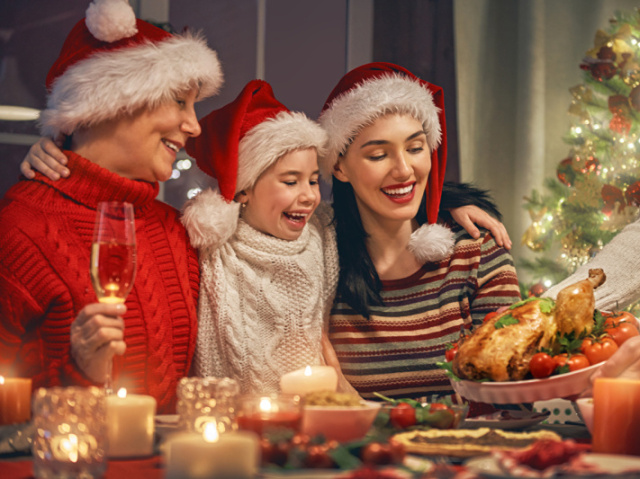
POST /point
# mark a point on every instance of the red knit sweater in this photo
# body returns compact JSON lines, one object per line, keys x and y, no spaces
{"x":45,"y":240}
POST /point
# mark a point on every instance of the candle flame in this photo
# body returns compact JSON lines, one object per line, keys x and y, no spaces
{"x":1,"y":379}
{"x":307,"y":371}
{"x":265,"y":404}
{"x":70,"y":445}
{"x":210,"y":432}
{"x":122,"y":392}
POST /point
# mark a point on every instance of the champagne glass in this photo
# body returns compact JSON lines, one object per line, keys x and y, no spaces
{"x":113,"y":256}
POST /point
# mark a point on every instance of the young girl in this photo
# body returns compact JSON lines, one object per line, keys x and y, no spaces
{"x":405,"y":290}
{"x":268,"y":260}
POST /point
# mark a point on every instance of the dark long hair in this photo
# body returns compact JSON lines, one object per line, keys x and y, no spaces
{"x":359,"y":284}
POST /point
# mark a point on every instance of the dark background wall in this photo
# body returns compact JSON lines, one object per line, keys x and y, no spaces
{"x":304,"y":51}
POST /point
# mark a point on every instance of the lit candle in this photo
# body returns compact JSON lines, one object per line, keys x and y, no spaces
{"x":616,"y":417}
{"x":233,"y":455}
{"x":271,"y":415}
{"x":15,"y":400}
{"x":309,"y":379}
{"x":130,"y":424}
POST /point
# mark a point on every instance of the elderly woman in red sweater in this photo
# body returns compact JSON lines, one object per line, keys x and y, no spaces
{"x":123,"y":92}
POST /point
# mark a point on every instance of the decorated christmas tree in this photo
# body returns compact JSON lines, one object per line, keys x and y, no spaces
{"x":596,"y":191}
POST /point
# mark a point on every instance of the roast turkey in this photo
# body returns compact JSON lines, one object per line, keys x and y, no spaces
{"x":502,"y":347}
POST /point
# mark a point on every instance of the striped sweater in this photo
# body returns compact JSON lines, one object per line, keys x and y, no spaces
{"x":395,"y":352}
{"x":46,"y":231}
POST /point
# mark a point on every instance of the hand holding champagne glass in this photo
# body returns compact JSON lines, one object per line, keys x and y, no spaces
{"x":113,"y":255}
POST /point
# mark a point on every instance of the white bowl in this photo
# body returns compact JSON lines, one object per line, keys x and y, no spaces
{"x":585,"y":405}
{"x":340,"y":423}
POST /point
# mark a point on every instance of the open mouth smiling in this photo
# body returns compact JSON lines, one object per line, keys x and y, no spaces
{"x":398,"y":191}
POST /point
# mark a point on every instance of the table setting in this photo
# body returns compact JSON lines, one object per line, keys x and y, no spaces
{"x":309,"y":429}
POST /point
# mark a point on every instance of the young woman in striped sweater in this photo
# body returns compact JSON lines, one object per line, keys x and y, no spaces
{"x":407,"y":285}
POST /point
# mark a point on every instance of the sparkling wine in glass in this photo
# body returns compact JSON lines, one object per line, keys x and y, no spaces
{"x":113,"y":256}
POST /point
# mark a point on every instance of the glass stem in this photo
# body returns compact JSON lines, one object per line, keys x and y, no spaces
{"x":108,"y":384}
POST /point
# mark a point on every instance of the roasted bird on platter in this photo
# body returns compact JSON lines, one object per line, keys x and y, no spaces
{"x":501,"y":349}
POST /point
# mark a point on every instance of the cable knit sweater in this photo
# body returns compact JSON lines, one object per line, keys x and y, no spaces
{"x":264,"y":300}
{"x":620,"y":261}
{"x":45,"y":236}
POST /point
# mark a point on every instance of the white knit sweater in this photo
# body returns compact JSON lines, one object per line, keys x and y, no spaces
{"x":263,"y":300}
{"x":620,"y":261}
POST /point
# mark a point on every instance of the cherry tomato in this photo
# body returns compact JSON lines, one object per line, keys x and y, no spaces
{"x":317,"y":457}
{"x":617,"y":317}
{"x":541,"y":365}
{"x":622,"y":331}
{"x":560,"y":359}
{"x":402,"y":415}
{"x":377,"y":454}
{"x":444,"y":416}
{"x":490,"y":315}
{"x":578,"y":361}
{"x":598,"y":351}
{"x":451,"y":352}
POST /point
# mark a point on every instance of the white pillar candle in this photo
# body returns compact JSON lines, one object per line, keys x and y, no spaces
{"x":309,"y":379}
{"x":130,"y":424}
{"x":233,"y":455}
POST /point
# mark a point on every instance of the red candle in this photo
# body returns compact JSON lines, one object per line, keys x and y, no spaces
{"x":267,"y":422}
{"x":616,"y":417}
{"x":15,"y":400}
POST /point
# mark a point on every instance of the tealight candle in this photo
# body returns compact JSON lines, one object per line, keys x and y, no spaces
{"x":233,"y":455}
{"x":15,"y":400}
{"x":130,"y":424}
{"x":269,"y":414}
{"x":309,"y":379}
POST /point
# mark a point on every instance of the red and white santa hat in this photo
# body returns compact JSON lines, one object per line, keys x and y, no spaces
{"x":112,"y":63}
{"x":242,"y":139}
{"x":377,"y":89}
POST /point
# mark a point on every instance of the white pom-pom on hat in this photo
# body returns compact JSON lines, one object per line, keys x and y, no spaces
{"x":210,"y":220}
{"x":111,"y":20}
{"x":431,"y":243}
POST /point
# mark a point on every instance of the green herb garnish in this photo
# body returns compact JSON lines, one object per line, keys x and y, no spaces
{"x":506,"y":320}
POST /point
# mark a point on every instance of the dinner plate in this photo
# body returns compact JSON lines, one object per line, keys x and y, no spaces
{"x":610,"y":465}
{"x":507,"y":419}
{"x":528,"y":391}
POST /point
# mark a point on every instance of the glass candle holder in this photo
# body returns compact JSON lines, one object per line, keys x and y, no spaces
{"x":270,"y":414}
{"x":202,"y":401}
{"x":70,"y":432}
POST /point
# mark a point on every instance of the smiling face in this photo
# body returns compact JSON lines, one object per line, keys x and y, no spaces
{"x":285,"y":196}
{"x":388,"y":165}
{"x":142,"y":146}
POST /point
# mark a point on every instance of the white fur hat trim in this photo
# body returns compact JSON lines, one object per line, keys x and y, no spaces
{"x":110,"y":83}
{"x":361,"y":105}
{"x":209,"y":219}
{"x":111,"y":20}
{"x":432,"y":243}
{"x":266,"y":142}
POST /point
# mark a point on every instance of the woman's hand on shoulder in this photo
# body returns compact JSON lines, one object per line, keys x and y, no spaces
{"x":47,"y":158}
{"x":469,"y":216}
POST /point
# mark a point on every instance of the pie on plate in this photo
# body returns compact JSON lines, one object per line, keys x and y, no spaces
{"x":468,"y":442}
